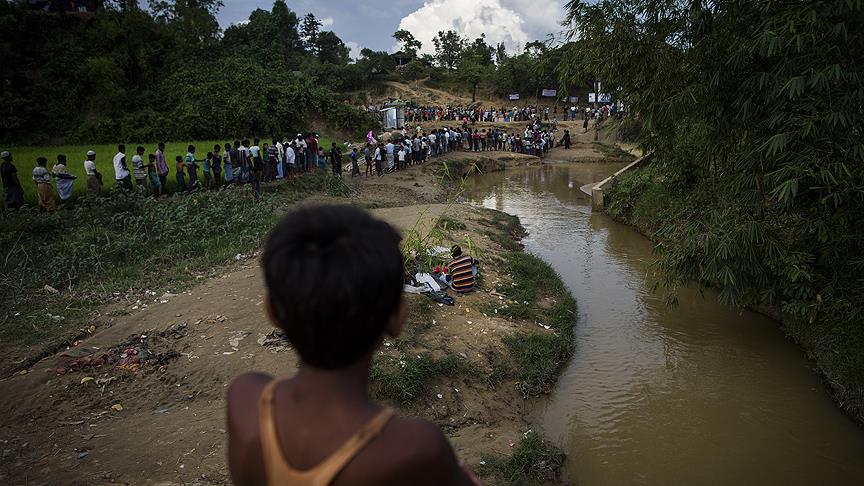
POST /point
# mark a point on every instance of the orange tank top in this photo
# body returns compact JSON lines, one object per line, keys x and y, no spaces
{"x":280,"y":473}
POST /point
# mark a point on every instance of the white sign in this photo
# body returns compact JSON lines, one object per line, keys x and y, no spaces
{"x":514,"y":96}
{"x":550,"y":92}
{"x":574,"y":99}
{"x":604,"y":98}
{"x":592,"y":97}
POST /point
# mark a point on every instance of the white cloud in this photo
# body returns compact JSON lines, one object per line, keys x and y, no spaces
{"x":326,"y":22}
{"x":354,"y":49}
{"x":513,"y":22}
{"x":541,"y":17}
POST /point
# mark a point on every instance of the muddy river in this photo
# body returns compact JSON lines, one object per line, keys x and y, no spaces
{"x":698,"y":394}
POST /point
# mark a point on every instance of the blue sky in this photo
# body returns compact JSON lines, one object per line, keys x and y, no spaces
{"x":371,"y":23}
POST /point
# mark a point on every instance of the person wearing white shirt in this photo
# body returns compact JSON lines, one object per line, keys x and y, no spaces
{"x":94,"y":178}
{"x":301,"y":154}
{"x":389,"y":152}
{"x":379,"y":157}
{"x":280,"y":154}
{"x":432,"y":143}
{"x":290,"y":156}
{"x":121,"y":171}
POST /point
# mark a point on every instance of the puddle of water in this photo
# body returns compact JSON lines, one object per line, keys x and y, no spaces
{"x":698,"y":394}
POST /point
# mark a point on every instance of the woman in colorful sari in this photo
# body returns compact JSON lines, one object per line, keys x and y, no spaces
{"x":63,"y":179}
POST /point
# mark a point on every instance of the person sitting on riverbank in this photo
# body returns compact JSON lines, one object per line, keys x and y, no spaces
{"x":461,"y":271}
{"x":320,"y":427}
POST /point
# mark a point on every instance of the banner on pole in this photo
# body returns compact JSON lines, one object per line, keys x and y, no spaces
{"x":514,"y":96}
{"x":604,"y":98}
{"x":592,"y":97}
{"x":574,"y":99}
{"x":550,"y":92}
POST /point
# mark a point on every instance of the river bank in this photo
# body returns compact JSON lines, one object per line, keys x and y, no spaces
{"x":639,"y":200}
{"x":470,"y":368}
{"x":699,"y":393}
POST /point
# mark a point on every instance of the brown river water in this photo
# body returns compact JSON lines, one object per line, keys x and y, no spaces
{"x":701,"y":394}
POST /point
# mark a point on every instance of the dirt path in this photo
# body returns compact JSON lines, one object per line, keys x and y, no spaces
{"x":142,"y":400}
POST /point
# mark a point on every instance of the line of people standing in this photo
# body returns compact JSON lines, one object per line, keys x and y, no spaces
{"x":240,"y":162}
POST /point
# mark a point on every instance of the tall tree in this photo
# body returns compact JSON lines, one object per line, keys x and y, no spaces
{"x":448,"y":48}
{"x":500,"y":54}
{"x":310,"y":29}
{"x":287,"y":24}
{"x":194,"y":21}
{"x":410,"y":45}
{"x":331,"y":49}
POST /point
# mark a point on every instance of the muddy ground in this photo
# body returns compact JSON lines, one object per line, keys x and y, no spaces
{"x":141,"y":401}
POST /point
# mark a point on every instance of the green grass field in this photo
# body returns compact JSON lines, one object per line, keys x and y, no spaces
{"x":25,"y":160}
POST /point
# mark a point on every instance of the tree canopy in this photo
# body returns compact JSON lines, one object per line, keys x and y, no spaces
{"x":124,"y":73}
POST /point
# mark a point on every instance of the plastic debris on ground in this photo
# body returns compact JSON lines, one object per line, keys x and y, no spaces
{"x":275,"y":339}
{"x":136,"y":352}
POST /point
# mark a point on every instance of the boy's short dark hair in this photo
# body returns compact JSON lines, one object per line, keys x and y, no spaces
{"x":334,"y":276}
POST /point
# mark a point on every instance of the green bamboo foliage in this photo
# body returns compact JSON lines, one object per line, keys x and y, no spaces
{"x":754,"y":110}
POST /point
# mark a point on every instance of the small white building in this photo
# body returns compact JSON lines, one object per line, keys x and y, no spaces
{"x":393,"y":115}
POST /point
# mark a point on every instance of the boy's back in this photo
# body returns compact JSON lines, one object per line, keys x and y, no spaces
{"x":310,"y":430}
{"x":319,"y":427}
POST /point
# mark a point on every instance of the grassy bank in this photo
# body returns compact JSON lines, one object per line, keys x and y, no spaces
{"x":534,"y":461}
{"x":832,"y":337}
{"x":25,"y":160}
{"x":57,"y":268}
{"x":526,"y":291}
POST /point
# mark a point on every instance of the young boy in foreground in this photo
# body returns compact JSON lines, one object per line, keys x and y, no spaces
{"x":320,"y":427}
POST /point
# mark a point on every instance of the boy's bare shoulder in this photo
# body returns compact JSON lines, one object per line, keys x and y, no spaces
{"x":242,"y":397}
{"x":415,"y":451}
{"x":247,"y":386}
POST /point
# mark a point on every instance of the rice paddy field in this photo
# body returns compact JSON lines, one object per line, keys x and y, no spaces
{"x":25,"y":160}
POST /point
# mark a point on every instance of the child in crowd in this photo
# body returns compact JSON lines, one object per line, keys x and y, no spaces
{"x":181,"y":174}
{"x":138,"y":170}
{"x":153,"y":174}
{"x":367,"y":154}
{"x":208,"y":177}
{"x":319,"y":426}
{"x":42,"y":179}
{"x":216,"y":166}
{"x":192,"y":167}
{"x":355,"y":168}
{"x":228,"y":165}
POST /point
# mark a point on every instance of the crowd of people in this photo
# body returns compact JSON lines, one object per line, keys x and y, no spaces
{"x":507,"y":115}
{"x":237,"y":163}
{"x":243,"y":162}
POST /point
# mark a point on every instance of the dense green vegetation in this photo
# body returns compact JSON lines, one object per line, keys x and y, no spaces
{"x":753,"y":110}
{"x":534,"y":461}
{"x":127,"y":74}
{"x":535,"y":358}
